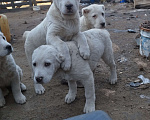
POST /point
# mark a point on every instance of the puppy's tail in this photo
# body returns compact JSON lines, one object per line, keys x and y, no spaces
{"x":22,"y":86}
{"x":25,"y":34}
{"x":19,"y":70}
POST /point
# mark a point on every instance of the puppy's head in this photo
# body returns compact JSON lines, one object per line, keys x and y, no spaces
{"x":5,"y":47}
{"x":68,"y":8}
{"x":45,"y":62}
{"x":95,"y":15}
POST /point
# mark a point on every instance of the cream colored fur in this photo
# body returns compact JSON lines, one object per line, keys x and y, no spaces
{"x":46,"y":62}
{"x":60,"y":24}
{"x":10,"y":73}
{"x":93,"y":16}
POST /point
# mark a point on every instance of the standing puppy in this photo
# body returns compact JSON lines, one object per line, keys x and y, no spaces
{"x":46,"y":61}
{"x":61,"y":24}
{"x":10,"y":73}
{"x":93,"y":17}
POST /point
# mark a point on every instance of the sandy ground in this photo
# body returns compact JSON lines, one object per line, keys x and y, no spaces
{"x":120,"y":101}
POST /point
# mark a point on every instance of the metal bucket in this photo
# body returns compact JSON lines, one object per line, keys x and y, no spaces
{"x":145,"y":42}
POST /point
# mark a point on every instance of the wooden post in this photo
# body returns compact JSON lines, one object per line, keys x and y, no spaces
{"x":34,"y":2}
{"x":12,"y":3}
{"x":30,"y":3}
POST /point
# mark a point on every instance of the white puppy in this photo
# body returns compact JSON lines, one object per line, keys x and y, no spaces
{"x":46,"y":62}
{"x":93,"y":17}
{"x":61,"y":24}
{"x":10,"y":73}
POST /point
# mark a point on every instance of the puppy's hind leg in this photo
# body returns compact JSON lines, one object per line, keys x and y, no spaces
{"x":70,"y":97}
{"x":2,"y":99}
{"x":108,"y":58}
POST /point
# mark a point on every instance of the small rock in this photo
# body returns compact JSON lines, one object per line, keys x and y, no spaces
{"x":25,"y":22}
{"x":131,"y":31}
{"x":132,"y":84}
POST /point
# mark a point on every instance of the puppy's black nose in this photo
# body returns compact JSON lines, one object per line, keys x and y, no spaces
{"x":69,"y":6}
{"x":39,"y":79}
{"x":103,"y":24}
{"x":9,"y":48}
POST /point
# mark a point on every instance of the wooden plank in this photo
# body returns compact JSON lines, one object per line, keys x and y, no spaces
{"x":13,"y":4}
{"x":5,"y":1}
{"x":141,"y":3}
{"x":42,"y":1}
{"x":24,"y":2}
{"x":13,"y":0}
{"x":20,"y":4}
{"x":4,"y":6}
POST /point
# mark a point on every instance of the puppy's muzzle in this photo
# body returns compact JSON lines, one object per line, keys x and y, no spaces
{"x":103,"y":25}
{"x":9,"y":49}
{"x":69,"y":7}
{"x":39,"y":79}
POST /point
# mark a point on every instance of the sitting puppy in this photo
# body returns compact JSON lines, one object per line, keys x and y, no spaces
{"x":46,"y":61}
{"x":10,"y":73}
{"x":60,"y":24}
{"x":93,"y":17}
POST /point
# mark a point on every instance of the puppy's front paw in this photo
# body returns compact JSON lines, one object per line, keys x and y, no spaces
{"x":39,"y":89}
{"x":113,"y":81}
{"x":84,"y":52}
{"x":21,"y":99}
{"x":66,"y":65}
{"x":69,"y":98}
{"x":2,"y":102}
{"x":89,"y":108}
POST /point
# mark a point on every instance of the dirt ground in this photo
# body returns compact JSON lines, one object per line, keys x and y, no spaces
{"x":120,"y":101}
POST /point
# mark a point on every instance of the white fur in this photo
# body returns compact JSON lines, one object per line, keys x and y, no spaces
{"x":93,"y":17}
{"x":59,"y":25}
{"x":10,"y":73}
{"x":46,"y":62}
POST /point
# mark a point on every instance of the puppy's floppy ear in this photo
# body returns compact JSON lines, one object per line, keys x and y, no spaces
{"x":85,"y":11}
{"x":60,"y":58}
{"x":103,"y":7}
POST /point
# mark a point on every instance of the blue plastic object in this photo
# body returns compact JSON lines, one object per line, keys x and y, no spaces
{"x":96,"y":115}
{"x":92,"y":1}
{"x":123,"y":1}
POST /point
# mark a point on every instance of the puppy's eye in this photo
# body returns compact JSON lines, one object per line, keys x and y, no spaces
{"x":3,"y":37}
{"x":47,"y":64}
{"x":102,"y":14}
{"x":94,"y":16}
{"x":34,"y":64}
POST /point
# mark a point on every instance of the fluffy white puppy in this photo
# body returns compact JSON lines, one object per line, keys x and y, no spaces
{"x":10,"y":73}
{"x":60,"y":24}
{"x":93,"y":17}
{"x":46,"y":62}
